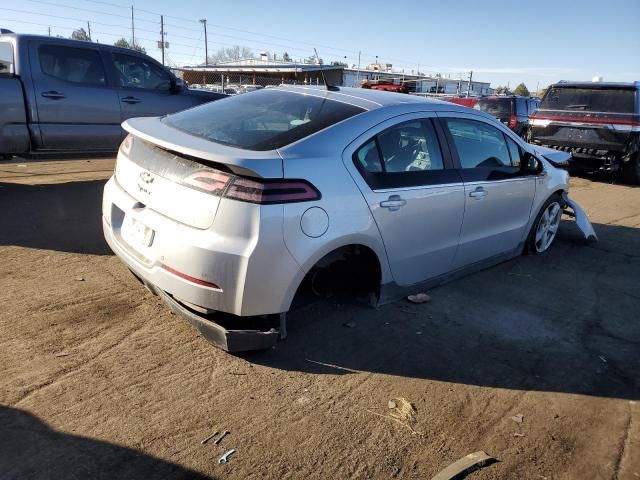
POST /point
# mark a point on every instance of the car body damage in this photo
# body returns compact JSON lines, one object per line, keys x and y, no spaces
{"x":582,"y":221}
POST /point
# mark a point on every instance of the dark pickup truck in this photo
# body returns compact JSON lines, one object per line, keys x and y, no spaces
{"x":59,"y":95}
{"x":597,"y":122}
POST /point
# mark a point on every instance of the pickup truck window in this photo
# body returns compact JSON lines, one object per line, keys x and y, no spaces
{"x":6,"y":58}
{"x":76,"y":65}
{"x":136,"y":72}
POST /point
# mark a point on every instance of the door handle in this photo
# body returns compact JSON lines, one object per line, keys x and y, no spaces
{"x":53,"y":95}
{"x":393,"y":203}
{"x":131,"y":100}
{"x":478,"y":193}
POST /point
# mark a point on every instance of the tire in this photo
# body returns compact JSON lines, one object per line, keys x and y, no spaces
{"x":545,"y":227}
{"x":631,"y":170}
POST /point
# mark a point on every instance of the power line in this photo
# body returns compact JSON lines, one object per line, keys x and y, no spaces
{"x":88,"y":10}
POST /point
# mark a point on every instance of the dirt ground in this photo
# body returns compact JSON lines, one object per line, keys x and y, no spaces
{"x":99,"y":380}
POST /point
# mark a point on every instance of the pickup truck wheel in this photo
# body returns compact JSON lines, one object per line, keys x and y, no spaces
{"x":631,"y":170}
{"x":545,"y":227}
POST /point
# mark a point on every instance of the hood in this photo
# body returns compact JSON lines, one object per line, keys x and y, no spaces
{"x":557,"y":158}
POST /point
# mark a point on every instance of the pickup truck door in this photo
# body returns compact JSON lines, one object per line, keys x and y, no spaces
{"x":145,"y":87}
{"x":76,"y":107}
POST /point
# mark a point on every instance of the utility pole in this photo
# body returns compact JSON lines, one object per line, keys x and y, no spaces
{"x":358,"y":74}
{"x":49,"y":31}
{"x":133,"y":30}
{"x":469,"y":84}
{"x":162,"y":36}
{"x":203,"y":21}
{"x":89,"y":30}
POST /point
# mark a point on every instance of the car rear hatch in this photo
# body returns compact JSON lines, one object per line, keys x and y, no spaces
{"x":586,"y":119}
{"x":178,"y":175}
{"x":501,"y":108}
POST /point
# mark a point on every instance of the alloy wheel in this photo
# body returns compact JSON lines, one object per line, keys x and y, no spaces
{"x":548,"y":226}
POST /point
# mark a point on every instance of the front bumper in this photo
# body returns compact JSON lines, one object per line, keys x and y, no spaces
{"x":582,"y":221}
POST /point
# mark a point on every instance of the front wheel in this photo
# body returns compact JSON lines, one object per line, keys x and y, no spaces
{"x":546,"y":225}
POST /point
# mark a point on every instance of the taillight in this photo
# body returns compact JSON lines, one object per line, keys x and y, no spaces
{"x":210,"y":181}
{"x":263,"y":192}
{"x":513,"y":121}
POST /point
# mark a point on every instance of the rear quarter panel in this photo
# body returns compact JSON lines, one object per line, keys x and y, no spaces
{"x":14,"y":132}
{"x":318,"y":159}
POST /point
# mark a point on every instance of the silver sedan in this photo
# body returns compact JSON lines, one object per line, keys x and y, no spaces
{"x":236,"y":206}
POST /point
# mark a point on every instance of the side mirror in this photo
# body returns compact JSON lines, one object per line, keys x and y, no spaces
{"x":177,"y":85}
{"x":530,"y":164}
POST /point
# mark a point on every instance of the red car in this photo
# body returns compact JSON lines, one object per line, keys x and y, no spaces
{"x":466,"y":102}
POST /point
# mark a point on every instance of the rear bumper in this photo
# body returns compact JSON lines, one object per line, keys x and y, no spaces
{"x":226,"y":339}
{"x":253,"y":269}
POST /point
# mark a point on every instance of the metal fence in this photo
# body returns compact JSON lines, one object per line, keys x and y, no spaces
{"x":233,"y":83}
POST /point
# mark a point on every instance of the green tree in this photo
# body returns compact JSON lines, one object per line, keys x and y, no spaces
{"x":81,"y":34}
{"x":124,"y":43}
{"x":521,"y":90}
{"x":286,"y":57}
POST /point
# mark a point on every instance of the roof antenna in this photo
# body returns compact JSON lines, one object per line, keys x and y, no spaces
{"x":331,"y":88}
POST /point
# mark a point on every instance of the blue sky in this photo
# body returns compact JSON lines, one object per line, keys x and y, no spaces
{"x":535,"y":42}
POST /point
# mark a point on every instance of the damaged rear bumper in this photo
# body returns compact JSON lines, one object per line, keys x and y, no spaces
{"x":229,"y":340}
{"x":582,"y":221}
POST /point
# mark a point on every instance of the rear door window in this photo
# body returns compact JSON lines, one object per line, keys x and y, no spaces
{"x":405,"y":155}
{"x":71,"y":64}
{"x":615,"y":100}
{"x":410,"y":147}
{"x":262,"y":120}
{"x":6,"y":58}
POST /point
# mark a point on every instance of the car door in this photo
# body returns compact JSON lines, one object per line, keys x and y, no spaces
{"x":498,"y":194}
{"x":145,"y":88}
{"x":77,"y":109}
{"x":415,"y":195}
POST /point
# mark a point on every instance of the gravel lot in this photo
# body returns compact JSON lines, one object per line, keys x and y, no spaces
{"x":99,"y":380}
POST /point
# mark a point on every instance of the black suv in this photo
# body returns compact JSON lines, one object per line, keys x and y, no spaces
{"x":511,"y":110}
{"x":599,"y":123}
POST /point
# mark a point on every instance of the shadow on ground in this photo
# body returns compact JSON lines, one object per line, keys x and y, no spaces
{"x":64,"y":216}
{"x":565,"y":321}
{"x":31,"y":449}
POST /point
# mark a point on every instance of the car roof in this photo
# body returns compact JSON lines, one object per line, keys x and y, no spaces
{"x":564,"y":83}
{"x":372,"y":99}
{"x":69,"y":41}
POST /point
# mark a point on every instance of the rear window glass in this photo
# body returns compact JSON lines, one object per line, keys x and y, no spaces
{"x":262,"y":120}
{"x":76,"y":65}
{"x":498,"y":107}
{"x":589,"y":99}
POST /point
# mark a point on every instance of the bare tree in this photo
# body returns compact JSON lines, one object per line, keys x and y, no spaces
{"x":231,"y":54}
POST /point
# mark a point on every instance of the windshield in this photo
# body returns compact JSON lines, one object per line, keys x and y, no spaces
{"x":498,"y":107}
{"x":589,"y":99}
{"x":262,"y":120}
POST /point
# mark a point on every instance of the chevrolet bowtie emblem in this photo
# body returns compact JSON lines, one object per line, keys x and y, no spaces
{"x":146,"y":177}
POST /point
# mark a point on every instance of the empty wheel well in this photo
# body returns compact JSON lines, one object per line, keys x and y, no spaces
{"x":352,"y":270}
